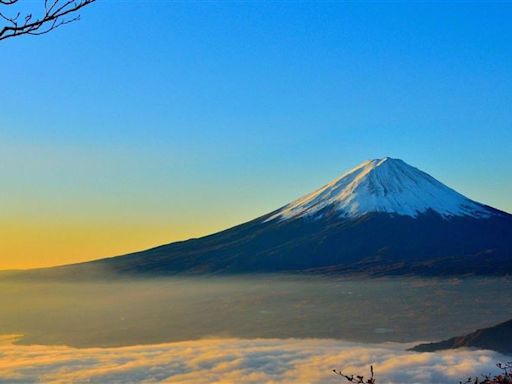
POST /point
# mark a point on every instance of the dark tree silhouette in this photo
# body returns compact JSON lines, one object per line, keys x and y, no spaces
{"x":357,"y":379}
{"x":54,"y":13}
{"x":504,"y":378}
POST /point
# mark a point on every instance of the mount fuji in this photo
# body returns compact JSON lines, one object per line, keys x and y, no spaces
{"x":387,"y":186}
{"x":383,"y":217}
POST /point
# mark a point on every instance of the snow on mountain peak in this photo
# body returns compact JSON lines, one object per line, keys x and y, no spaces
{"x":383,"y":185}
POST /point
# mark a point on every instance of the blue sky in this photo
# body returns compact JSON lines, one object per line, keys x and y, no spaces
{"x":176,"y":119}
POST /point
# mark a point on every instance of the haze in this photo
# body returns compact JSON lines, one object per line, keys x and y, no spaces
{"x":175,"y":309}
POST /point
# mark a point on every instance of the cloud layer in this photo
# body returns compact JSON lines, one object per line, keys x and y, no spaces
{"x":255,"y":361}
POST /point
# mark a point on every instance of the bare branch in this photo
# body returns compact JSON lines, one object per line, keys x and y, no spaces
{"x":357,"y":379}
{"x":56,"y":13}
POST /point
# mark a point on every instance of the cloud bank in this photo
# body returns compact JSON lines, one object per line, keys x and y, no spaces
{"x":256,"y":361}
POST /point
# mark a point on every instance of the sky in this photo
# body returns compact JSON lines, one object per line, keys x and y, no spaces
{"x":148,"y":122}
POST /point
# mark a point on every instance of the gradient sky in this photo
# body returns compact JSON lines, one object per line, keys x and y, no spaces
{"x":153,"y":121}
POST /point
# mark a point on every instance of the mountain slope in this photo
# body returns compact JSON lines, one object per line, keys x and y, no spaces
{"x":382,"y":217}
{"x":497,"y":338}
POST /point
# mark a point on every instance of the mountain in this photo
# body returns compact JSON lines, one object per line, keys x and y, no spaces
{"x":497,"y":338}
{"x":384,"y":185}
{"x":383,"y":217}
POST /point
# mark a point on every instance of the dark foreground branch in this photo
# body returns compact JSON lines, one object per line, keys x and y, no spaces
{"x":55,"y":14}
{"x":357,"y":379}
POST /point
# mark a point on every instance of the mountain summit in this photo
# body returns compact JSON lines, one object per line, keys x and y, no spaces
{"x":383,"y":185}
{"x":383,"y":217}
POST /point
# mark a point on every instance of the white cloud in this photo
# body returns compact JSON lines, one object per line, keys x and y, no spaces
{"x":239,"y":361}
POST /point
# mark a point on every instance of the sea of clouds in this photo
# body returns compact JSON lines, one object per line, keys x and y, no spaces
{"x":239,"y":361}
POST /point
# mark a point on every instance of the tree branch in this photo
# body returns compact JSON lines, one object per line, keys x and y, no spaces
{"x":56,"y":13}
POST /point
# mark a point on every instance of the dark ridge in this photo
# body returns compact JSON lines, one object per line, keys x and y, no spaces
{"x":497,"y":338}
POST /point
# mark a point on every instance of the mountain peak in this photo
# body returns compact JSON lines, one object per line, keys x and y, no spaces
{"x":384,"y":159}
{"x":384,"y":185}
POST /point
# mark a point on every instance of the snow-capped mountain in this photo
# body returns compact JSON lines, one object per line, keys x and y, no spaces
{"x":383,"y":185}
{"x":383,"y":217}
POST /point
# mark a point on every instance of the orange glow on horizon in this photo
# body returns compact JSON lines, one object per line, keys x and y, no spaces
{"x":32,"y":245}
